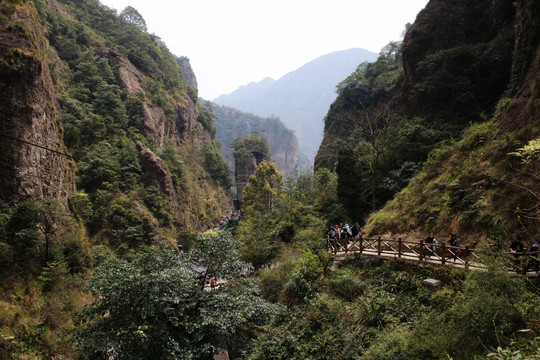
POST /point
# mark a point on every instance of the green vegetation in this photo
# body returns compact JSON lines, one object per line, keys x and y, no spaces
{"x":373,"y":148}
{"x":135,"y":187}
{"x":375,"y":309}
{"x":245,"y":148}
{"x":171,"y":314}
{"x":233,"y":124}
{"x":149,"y":176}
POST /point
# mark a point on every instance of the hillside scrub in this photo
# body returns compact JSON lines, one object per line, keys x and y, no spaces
{"x":467,"y":187}
{"x":380,"y":310}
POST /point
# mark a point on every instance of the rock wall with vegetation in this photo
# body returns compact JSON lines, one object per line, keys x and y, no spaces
{"x":105,"y":151}
{"x":249,"y":151}
{"x":232,"y":124}
{"x":35,"y":162}
{"x":451,"y":114}
{"x":485,"y":183}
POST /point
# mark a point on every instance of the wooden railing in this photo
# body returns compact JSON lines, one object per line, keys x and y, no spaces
{"x":432,"y":253}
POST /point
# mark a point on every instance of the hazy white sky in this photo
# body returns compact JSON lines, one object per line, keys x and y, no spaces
{"x":234,"y":42}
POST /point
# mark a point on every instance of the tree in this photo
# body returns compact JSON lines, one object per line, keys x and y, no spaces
{"x":371,"y":122}
{"x":262,"y":190}
{"x":155,"y":306}
{"x":131,"y":16}
{"x":527,"y":179}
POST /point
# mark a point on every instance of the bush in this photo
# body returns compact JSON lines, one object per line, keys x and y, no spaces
{"x":347,"y":286}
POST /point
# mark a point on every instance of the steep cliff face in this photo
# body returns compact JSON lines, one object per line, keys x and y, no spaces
{"x":232,"y":124}
{"x":34,"y":164}
{"x":189,"y":74}
{"x":524,"y":86}
{"x":477,"y":186}
{"x":457,"y":60}
{"x":249,"y":152}
{"x":58,"y":74}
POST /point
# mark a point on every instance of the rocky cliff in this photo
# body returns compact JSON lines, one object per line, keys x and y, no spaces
{"x":457,"y":59}
{"x":189,"y":74}
{"x":249,"y":151}
{"x":478,"y":185}
{"x":232,"y":124}
{"x":35,"y":164}
{"x":59,"y":74}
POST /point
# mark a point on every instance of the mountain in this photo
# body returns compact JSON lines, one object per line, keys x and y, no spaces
{"x":300,"y":98}
{"x":232,"y":124}
{"x":441,"y":132}
{"x":105,"y":150}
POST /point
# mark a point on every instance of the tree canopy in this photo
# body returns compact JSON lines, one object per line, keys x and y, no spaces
{"x":155,"y":306}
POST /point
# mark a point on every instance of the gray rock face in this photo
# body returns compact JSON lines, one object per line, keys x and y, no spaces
{"x":189,"y":75}
{"x":32,"y":166}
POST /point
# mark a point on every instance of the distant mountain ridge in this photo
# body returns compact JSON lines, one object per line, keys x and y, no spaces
{"x":302,"y":97}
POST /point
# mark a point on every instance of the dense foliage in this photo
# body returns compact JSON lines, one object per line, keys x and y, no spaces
{"x":159,"y":306}
{"x":135,"y":191}
{"x":105,"y":129}
{"x":376,"y":309}
{"x":371,"y":145}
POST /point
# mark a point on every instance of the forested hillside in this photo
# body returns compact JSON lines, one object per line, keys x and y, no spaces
{"x":105,"y":151}
{"x":111,"y":184}
{"x":455,"y":104}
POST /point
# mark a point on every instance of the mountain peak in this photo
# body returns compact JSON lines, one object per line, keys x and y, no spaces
{"x":300,"y":98}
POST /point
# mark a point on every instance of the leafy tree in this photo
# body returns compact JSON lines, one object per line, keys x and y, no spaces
{"x":262,"y":190}
{"x":371,"y":123}
{"x":131,"y":16}
{"x":155,"y":306}
{"x":247,"y":147}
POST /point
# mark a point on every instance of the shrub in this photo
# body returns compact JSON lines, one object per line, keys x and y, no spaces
{"x":347,"y":286}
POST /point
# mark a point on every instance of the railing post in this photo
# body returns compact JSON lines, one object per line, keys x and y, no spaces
{"x":443,"y":247}
{"x":467,"y":257}
{"x":361,"y":243}
{"x":379,"y":245}
{"x":399,"y":248}
{"x":421,"y":251}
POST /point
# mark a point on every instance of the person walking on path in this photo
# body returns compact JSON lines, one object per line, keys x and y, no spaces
{"x":430,"y":240}
{"x":454,"y":246}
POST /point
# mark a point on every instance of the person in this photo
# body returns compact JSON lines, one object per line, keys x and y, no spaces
{"x":429,"y":241}
{"x":332,"y":233}
{"x":516,"y":247}
{"x":355,"y":230}
{"x":454,"y":246}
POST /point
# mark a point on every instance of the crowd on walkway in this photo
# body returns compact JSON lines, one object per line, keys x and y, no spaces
{"x":344,"y":231}
{"x":431,"y":246}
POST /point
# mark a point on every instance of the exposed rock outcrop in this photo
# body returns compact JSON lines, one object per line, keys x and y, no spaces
{"x":34,"y":164}
{"x":160,"y":176}
{"x":283,"y":144}
{"x":249,"y":152}
{"x":189,"y":75}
